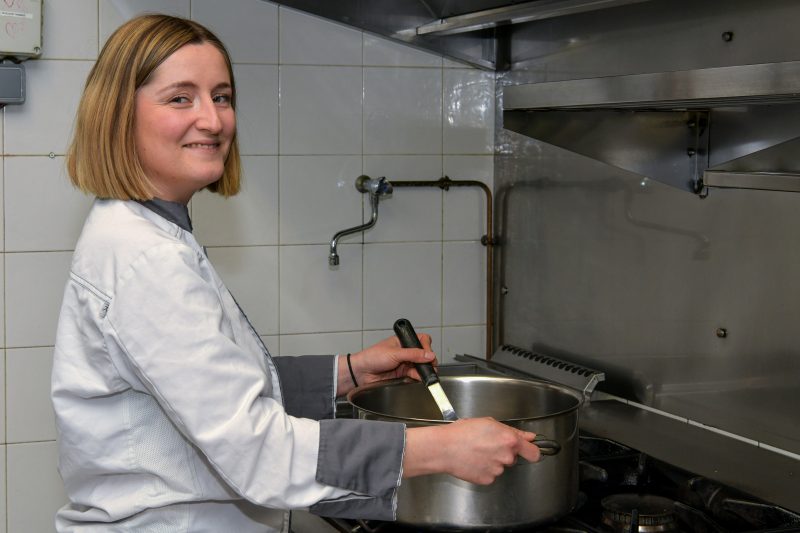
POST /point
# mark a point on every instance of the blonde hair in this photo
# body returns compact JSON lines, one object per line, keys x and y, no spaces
{"x":102,"y":158}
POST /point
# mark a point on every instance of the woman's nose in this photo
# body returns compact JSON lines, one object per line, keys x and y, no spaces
{"x":208,"y":118}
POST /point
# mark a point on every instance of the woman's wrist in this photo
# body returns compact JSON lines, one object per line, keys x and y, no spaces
{"x":423,"y":454}
{"x":350,"y":369}
{"x":347,"y":380}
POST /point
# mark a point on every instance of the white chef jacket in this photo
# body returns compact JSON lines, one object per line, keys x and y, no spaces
{"x":170,"y":413}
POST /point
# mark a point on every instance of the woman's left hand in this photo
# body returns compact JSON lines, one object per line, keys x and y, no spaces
{"x":385,"y":360}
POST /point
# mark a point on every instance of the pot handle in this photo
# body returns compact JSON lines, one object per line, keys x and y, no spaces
{"x":547,"y":446}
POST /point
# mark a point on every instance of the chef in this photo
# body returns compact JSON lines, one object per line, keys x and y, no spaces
{"x":171,"y":413}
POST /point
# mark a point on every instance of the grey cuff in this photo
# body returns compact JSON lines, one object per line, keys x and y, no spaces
{"x":306,"y":384}
{"x":363,"y":509}
{"x":365,"y":456}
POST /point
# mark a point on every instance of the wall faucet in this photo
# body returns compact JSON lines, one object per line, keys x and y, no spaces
{"x":376,"y":188}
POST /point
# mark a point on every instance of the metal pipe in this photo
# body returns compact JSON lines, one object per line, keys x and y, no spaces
{"x":487,"y":240}
{"x":333,"y":255}
{"x":364,"y":184}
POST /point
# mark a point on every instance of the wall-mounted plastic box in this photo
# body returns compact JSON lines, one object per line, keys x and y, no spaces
{"x":20,"y":29}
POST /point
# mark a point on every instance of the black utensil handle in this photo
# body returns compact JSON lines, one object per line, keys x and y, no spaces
{"x":408,"y":339}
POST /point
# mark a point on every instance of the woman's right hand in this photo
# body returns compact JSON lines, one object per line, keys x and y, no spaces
{"x":477,"y":450}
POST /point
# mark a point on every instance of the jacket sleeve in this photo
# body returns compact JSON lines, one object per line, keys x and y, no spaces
{"x":308,"y":385}
{"x":168,"y":331}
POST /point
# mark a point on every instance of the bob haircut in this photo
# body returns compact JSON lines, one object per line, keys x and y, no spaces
{"x":102,"y":158}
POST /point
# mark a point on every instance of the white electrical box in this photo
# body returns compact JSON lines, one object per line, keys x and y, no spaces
{"x":20,"y":29}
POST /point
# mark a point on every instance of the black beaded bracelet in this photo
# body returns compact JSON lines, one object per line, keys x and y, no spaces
{"x":352,"y":374}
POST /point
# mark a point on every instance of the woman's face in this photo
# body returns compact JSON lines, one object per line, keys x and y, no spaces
{"x":184,"y":122}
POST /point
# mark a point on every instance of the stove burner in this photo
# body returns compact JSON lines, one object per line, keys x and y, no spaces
{"x":645,"y":513}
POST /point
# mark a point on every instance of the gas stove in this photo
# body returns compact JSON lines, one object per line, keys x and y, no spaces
{"x":622,"y":489}
{"x":625,"y":491}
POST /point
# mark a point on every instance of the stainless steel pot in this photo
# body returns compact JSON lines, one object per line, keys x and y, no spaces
{"x":526,"y":494}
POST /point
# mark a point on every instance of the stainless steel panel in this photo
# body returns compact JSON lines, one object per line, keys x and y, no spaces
{"x":656,"y":144}
{"x":698,"y":88}
{"x":517,"y":14}
{"x":766,"y":181}
{"x":689,"y":305}
{"x":674,"y":35}
{"x":741,"y":465}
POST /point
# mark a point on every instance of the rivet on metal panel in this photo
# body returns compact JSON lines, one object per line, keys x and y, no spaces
{"x":727,"y":36}
{"x":721,"y":333}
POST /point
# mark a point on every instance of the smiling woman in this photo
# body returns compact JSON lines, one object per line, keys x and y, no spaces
{"x":185,"y":122}
{"x":171,"y":413}
{"x":104,"y":157}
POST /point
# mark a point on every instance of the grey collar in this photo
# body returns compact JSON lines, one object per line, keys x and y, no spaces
{"x":175,"y":212}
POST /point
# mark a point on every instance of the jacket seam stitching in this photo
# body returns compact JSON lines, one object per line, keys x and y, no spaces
{"x":89,"y":287}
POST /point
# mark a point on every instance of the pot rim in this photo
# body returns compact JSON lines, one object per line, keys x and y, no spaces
{"x":470,"y":377}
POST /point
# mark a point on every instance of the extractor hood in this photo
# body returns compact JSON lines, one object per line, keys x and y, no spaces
{"x":467,"y":30}
{"x":736,"y":127}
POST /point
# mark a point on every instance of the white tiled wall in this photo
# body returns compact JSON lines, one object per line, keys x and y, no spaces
{"x":319,"y":105}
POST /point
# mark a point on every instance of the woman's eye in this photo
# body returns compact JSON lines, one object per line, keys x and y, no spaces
{"x":179,"y":100}
{"x":222,"y":99}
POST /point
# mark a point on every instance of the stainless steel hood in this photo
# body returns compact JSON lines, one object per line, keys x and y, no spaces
{"x":661,"y":125}
{"x":472,"y":31}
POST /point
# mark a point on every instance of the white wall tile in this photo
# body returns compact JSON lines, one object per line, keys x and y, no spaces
{"x":43,"y":124}
{"x":402,"y":111}
{"x":402,"y":280}
{"x":464,"y":283}
{"x":3,"y":499}
{"x":69,"y":29}
{"x":249,"y":28}
{"x":251,"y":274}
{"x":2,"y":200}
{"x":470,"y":340}
{"x":318,"y":198}
{"x":2,"y":402}
{"x":115,"y":12}
{"x":43,"y":210}
{"x":247,"y":219}
{"x":321,"y":343}
{"x":316,"y":298}
{"x":468,"y":112}
{"x":310,"y":40}
{"x":375,"y":336}
{"x":257,"y":103}
{"x":465,"y":207}
{"x":34,"y":290}
{"x":380,"y":52}
{"x":30,"y":413}
{"x":2,"y":307}
{"x":35,"y":490}
{"x":272,"y":342}
{"x":320,"y":110}
{"x":410,"y":213}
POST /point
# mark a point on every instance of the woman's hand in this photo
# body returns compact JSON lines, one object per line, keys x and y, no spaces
{"x":384,"y":360}
{"x":477,"y":450}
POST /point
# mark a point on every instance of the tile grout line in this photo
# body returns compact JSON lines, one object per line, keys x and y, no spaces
{"x":363,"y":238}
{"x":278,"y":181}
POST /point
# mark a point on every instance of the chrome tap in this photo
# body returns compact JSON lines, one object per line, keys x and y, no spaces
{"x":376,"y":188}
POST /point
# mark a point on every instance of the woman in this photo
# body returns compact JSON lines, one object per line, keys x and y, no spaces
{"x":172,"y":416}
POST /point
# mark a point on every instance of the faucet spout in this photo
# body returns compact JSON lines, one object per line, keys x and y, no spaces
{"x":364,"y":184}
{"x":333,"y":256}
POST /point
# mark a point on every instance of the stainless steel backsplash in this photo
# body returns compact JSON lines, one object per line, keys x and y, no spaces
{"x":691,"y":305}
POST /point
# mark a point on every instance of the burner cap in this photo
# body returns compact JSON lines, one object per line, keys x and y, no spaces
{"x":654,"y":514}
